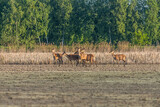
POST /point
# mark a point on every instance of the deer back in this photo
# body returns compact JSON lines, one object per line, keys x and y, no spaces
{"x":72,"y":56}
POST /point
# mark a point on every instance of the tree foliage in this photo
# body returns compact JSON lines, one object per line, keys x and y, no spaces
{"x":29,"y":22}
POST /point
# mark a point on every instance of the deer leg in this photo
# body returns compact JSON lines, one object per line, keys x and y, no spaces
{"x":77,"y":62}
{"x":124,"y":63}
{"x":95,"y":63}
{"x":113,"y":62}
{"x":90,"y":63}
{"x":84,"y":63}
{"x":59,"y":62}
{"x":118,"y":62}
{"x":71,"y":62}
{"x":62,"y":61}
{"x":55,"y":62}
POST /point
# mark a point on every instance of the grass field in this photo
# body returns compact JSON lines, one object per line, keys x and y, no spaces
{"x":66,"y":86}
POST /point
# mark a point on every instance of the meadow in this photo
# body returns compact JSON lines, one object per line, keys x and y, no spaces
{"x":77,"y":88}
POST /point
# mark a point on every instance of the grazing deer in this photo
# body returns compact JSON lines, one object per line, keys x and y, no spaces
{"x":119,"y":57}
{"x":57,"y":57}
{"x":72,"y":57}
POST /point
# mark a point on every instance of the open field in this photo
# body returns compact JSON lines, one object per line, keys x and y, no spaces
{"x":105,"y":85}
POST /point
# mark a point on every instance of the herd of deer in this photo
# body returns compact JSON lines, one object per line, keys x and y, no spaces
{"x":81,"y":56}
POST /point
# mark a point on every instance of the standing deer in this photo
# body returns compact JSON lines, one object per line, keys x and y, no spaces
{"x":57,"y":57}
{"x":91,"y":59}
{"x":119,"y":57}
{"x":83,"y":57}
{"x":86,"y":57}
{"x":72,"y":57}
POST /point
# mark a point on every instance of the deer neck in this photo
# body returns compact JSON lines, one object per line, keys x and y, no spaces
{"x":53,"y":53}
{"x":113,"y":55}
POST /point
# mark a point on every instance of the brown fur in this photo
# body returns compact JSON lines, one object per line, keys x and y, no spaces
{"x":57,"y":57}
{"x":91,"y":59}
{"x":86,"y":57}
{"x":72,"y":57}
{"x":119,"y":57}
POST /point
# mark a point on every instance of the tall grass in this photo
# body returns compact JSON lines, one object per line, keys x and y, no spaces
{"x":42,"y":54}
{"x":101,"y":58}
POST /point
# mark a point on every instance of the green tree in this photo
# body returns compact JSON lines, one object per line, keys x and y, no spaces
{"x":141,"y":38}
{"x":11,"y":30}
{"x":3,"y":5}
{"x":102,"y":21}
{"x":35,"y":22}
{"x":25,"y":22}
{"x":59,"y":23}
{"x":151,"y":22}
{"x":82,"y":23}
{"x":132,"y":18}
{"x":118,"y":19}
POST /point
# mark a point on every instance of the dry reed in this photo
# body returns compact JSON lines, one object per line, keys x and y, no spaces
{"x":42,"y":54}
{"x":101,"y":58}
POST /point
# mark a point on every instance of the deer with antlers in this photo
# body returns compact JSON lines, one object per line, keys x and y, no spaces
{"x":57,"y":57}
{"x":119,"y":57}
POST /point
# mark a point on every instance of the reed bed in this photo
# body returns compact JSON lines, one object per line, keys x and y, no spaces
{"x":101,"y":58}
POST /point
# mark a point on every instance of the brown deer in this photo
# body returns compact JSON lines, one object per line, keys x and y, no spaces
{"x":57,"y":57}
{"x":86,"y":57}
{"x":91,"y":59}
{"x":119,"y":57}
{"x":83,"y":57}
{"x":72,"y":57}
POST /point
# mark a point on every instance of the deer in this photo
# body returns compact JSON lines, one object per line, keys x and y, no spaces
{"x":72,"y":57}
{"x":83,"y":57}
{"x":91,"y":59}
{"x":119,"y":57}
{"x":86,"y":57}
{"x":57,"y":57}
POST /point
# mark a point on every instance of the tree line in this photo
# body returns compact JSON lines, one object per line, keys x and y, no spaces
{"x":29,"y":22}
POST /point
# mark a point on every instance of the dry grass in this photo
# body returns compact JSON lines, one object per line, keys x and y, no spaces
{"x":101,"y":58}
{"x":42,"y":54}
{"x":89,"y":47}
